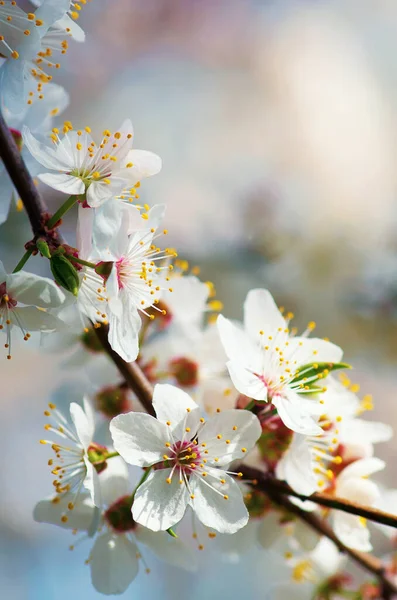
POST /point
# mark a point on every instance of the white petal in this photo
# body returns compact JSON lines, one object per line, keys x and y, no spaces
{"x":261,"y":313}
{"x":63,"y":183}
{"x":296,"y":418}
{"x":212,"y":509}
{"x":139,"y":438}
{"x":91,"y":483}
{"x":358,"y":431}
{"x":33,"y":319}
{"x":307,"y":537}
{"x":85,"y":223}
{"x":170,"y":550}
{"x":45,"y":155}
{"x":46,"y":511}
{"x":159,"y":505}
{"x":362,"y":468}
{"x":296,"y":466}
{"x":237,"y":344}
{"x":171,"y":404}
{"x":352,"y":532}
{"x":124,"y":330}
{"x":246,"y":381}
{"x":307,"y":350}
{"x":270,"y":530}
{"x":99,"y":192}
{"x":145,"y":164}
{"x":34,"y":290}
{"x":113,"y":563}
{"x":247,"y":432}
{"x":114,"y":481}
{"x":84,"y":427}
{"x":357,"y":489}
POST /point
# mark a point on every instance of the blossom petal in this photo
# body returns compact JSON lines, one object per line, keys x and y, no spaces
{"x":237,"y":344}
{"x":246,"y":381}
{"x":84,"y":427}
{"x":296,"y":418}
{"x":34,"y":290}
{"x":175,"y":406}
{"x":270,"y":530}
{"x":352,"y":531}
{"x":33,"y":319}
{"x":209,"y":503}
{"x":358,"y":489}
{"x":48,"y":511}
{"x":362,"y":468}
{"x":91,"y":483}
{"x":45,"y":155}
{"x":114,"y":480}
{"x":171,"y":550}
{"x":145,"y":164}
{"x":261,"y":313}
{"x":307,"y":350}
{"x":296,"y":466}
{"x":159,"y":505}
{"x":239,"y":429}
{"x":359,"y":431}
{"x":139,"y":438}
{"x":68,"y":184}
{"x":124,"y":329}
{"x":99,"y":192}
{"x":113,"y":563}
{"x":307,"y":537}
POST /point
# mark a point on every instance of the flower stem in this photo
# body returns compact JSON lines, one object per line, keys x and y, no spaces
{"x":112,"y":455}
{"x":23,"y":260}
{"x":250,"y":405}
{"x":62,"y":210}
{"x":80,"y":261}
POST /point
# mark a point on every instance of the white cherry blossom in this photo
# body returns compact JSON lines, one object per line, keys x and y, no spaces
{"x":190,"y":458}
{"x":79,"y":166}
{"x":24,"y":298}
{"x":119,"y":542}
{"x":264,"y":361}
{"x":72,"y":466}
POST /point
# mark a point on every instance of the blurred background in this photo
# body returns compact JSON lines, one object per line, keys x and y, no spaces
{"x":277,"y":127}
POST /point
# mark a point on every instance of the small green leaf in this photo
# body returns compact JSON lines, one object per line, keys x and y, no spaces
{"x":43,"y":248}
{"x":312,"y":372}
{"x":172,"y":533}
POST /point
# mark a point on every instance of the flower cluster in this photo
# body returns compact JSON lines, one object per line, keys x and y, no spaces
{"x":239,"y":425}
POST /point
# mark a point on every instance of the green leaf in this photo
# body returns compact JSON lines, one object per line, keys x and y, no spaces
{"x":312,"y":372}
{"x":172,"y":533}
{"x":43,"y":248}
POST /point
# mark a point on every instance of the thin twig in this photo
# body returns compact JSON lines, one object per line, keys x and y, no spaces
{"x":266,"y":483}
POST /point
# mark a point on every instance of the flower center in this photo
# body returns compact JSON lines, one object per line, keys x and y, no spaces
{"x":6,"y":302}
{"x":184,"y":370}
{"x":112,"y":401}
{"x":185,"y":456}
{"x":119,"y":516}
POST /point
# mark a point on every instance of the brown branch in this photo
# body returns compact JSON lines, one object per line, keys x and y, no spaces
{"x":21,"y":178}
{"x":136,"y":380}
{"x":131,"y":372}
{"x":268,"y":483}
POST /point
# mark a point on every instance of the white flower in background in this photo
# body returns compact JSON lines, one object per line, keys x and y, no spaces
{"x":264,"y":361}
{"x":119,"y":544}
{"x":276,"y":532}
{"x":72,"y":466}
{"x":23,"y":298}
{"x":81,"y":166}
{"x":68,"y":22}
{"x":15,"y":27}
{"x":23,"y":77}
{"x":353,"y":484}
{"x":38,"y":117}
{"x":190,"y":458}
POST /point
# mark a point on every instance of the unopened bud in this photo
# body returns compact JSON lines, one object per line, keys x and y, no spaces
{"x":43,"y":248}
{"x":185,"y":371}
{"x":113,"y":400}
{"x":64,"y":273}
